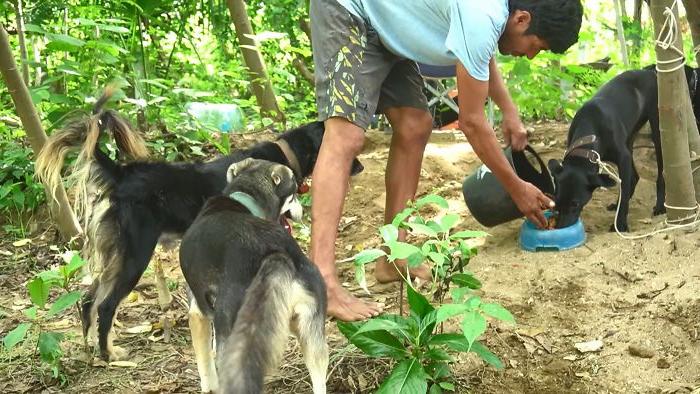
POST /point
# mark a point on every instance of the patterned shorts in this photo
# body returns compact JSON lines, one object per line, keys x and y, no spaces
{"x":355,"y":74}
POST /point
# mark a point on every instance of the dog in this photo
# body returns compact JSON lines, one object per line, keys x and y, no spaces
{"x":603,"y":130}
{"x":128,"y":207}
{"x":248,"y":277}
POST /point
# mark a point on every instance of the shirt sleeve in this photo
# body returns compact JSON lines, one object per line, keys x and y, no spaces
{"x":473,"y":36}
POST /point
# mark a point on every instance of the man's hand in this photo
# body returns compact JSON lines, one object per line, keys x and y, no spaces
{"x":514,"y":132}
{"x":532,"y":203}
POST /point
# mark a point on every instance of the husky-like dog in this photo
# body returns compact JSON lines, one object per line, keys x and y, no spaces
{"x":249,"y":277}
{"x":126,"y":208}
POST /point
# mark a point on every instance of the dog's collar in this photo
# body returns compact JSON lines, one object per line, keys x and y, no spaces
{"x":577,"y":149}
{"x":249,"y":202}
{"x":291,"y":157}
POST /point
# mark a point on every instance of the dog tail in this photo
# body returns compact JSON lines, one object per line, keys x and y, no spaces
{"x":259,"y":336}
{"x":85,"y":134}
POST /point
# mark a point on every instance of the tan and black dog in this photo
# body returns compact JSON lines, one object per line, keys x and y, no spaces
{"x":248,"y":277}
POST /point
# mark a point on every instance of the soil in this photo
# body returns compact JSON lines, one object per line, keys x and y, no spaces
{"x":641,"y":298}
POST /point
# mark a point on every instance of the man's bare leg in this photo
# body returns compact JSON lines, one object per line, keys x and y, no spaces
{"x":412,"y":128}
{"x":342,"y":141}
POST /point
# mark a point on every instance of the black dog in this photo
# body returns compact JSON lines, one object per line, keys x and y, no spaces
{"x":604,"y":130}
{"x":249,"y":278}
{"x":138,"y":202}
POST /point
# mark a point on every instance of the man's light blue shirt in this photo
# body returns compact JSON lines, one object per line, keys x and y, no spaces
{"x":437,"y":32}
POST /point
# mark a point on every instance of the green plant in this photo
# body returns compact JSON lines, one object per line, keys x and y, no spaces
{"x":59,"y":281}
{"x":20,"y":193}
{"x":417,"y":342}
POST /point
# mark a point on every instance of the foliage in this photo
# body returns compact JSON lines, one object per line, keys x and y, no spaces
{"x":20,"y":193}
{"x":416,"y":342}
{"x":58,"y":281}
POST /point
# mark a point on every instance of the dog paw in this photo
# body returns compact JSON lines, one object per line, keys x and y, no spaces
{"x":658,"y":211}
{"x":117,"y":353}
{"x":612,"y":207}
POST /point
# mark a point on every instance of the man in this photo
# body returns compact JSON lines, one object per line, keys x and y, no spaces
{"x":365,"y":54}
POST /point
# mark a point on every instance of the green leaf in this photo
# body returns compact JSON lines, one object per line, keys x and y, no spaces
{"x":447,"y":386}
{"x":64,"y":301}
{"x":418,"y":303}
{"x":453,"y":341}
{"x":38,"y":292}
{"x":16,"y":336}
{"x":30,"y":313}
{"x":74,"y":263}
{"x":468,"y":234}
{"x":497,"y":311}
{"x":378,"y":325}
{"x":448,"y":221}
{"x":50,"y":346}
{"x":401,"y":250}
{"x":486,"y":355}
{"x":438,"y":355}
{"x":415,"y":260}
{"x":368,"y":255}
{"x":431,"y":199}
{"x":373,"y":343}
{"x":401,"y":216}
{"x":360,"y":277}
{"x":438,"y":369}
{"x":446,"y":311}
{"x":51,"y":277}
{"x":113,"y":28}
{"x":435,"y":389}
{"x":473,"y":325}
{"x":34,"y":28}
{"x":459,"y":293}
{"x":466,"y":280}
{"x":389,"y":232}
{"x":438,"y":258}
{"x":418,"y":228}
{"x":408,"y":377}
{"x":65,"y":39}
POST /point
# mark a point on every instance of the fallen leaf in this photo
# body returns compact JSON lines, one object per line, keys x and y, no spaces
{"x":590,"y":346}
{"x":123,"y":364}
{"x":140,"y":329}
{"x":570,"y":358}
{"x":5,"y":252}
{"x":21,"y":242}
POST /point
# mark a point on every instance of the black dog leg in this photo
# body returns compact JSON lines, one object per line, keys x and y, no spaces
{"x":659,"y":207}
{"x":138,"y":251}
{"x":627,"y":178}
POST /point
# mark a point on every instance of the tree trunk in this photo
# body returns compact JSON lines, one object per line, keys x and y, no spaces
{"x":19,"y":16}
{"x":692,"y":10}
{"x":260,"y":83}
{"x":673,"y":94}
{"x":61,"y":210}
{"x":619,"y":11}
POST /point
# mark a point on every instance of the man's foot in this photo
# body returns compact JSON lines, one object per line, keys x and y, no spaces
{"x":346,"y":307}
{"x":386,"y":272}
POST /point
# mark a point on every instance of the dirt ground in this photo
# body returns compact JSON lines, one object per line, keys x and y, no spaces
{"x":637,"y":297}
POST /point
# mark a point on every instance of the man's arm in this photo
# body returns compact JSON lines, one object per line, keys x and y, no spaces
{"x":472,"y":121}
{"x":514,"y":132}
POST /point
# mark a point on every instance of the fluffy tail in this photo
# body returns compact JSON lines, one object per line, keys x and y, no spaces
{"x":85,"y":135}
{"x":260,"y":334}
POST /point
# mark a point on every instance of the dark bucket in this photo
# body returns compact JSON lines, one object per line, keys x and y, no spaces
{"x":486,"y":198}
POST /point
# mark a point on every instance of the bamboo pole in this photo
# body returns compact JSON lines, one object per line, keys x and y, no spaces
{"x":60,"y":208}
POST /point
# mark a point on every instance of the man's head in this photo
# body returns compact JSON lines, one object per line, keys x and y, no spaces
{"x":536,"y":25}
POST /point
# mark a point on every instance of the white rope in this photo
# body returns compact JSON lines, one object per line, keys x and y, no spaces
{"x":666,"y":43}
{"x":671,"y":225}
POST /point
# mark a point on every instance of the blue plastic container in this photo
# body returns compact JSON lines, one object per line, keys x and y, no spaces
{"x":223,"y":117}
{"x":535,"y":240}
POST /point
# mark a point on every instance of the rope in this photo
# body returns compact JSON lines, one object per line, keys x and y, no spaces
{"x":671,"y":225}
{"x":670,"y":26}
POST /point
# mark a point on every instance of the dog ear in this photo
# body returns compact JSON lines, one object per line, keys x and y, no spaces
{"x":276,"y":178}
{"x":554,"y":167}
{"x":236,"y":168}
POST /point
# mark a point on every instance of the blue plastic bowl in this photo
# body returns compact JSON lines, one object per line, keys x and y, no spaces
{"x":534,"y":240}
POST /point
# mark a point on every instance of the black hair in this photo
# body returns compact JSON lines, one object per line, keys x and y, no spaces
{"x":557,"y":22}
